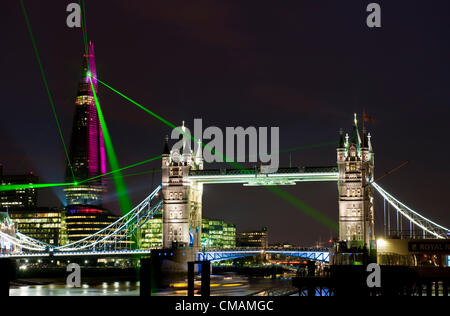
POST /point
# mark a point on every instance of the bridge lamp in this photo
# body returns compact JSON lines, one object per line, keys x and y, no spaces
{"x":381,"y":243}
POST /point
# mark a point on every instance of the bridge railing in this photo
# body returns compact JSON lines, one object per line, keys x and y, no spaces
{"x":262,"y":250}
{"x":414,"y":217}
{"x":255,"y":171}
{"x":115,"y":233}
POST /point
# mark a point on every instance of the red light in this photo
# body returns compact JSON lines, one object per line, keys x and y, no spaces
{"x":90,"y":210}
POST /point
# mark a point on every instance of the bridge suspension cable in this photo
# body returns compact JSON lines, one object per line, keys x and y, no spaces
{"x":414,"y":217}
{"x":23,"y":242}
{"x":116,"y":232}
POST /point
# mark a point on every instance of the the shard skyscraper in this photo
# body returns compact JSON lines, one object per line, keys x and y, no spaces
{"x":87,"y":149}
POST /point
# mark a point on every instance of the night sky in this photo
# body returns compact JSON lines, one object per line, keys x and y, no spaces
{"x":305,"y":66}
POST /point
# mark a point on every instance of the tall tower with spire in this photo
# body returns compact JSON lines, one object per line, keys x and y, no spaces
{"x":182,"y":208}
{"x":87,"y":148}
{"x":355,"y":160}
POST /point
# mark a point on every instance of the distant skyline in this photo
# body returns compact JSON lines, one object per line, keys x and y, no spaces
{"x":305,"y":67}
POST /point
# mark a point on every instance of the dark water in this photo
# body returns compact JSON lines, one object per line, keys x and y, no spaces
{"x":228,"y":285}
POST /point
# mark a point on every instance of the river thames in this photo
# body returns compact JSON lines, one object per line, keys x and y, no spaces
{"x":221,"y":285}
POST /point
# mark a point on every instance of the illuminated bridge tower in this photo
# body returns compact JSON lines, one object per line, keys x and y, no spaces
{"x":355,"y":160}
{"x":182,"y":210}
{"x":87,"y":149}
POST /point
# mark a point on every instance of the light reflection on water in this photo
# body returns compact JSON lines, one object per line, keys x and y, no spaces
{"x":124,"y":288}
{"x":228,"y":286}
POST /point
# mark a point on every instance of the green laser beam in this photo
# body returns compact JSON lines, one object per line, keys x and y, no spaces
{"x":121,"y":189}
{"x":294,"y":201}
{"x":136,"y":174}
{"x":10,"y":187}
{"x":83,"y":27}
{"x":24,"y":186}
{"x":44,"y":79}
{"x":140,"y":106}
{"x":121,"y":169}
{"x":172,"y":126}
{"x":151,"y":171}
{"x":306,"y":208}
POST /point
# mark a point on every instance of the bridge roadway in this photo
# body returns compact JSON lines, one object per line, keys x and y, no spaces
{"x":283,"y":176}
{"x":216,"y":255}
{"x":213,"y":255}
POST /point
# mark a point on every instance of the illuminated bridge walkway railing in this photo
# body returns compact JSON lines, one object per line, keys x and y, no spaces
{"x":259,"y":176}
{"x":92,"y":253}
{"x":106,"y":240}
{"x":216,"y":255}
{"x":416,"y":220}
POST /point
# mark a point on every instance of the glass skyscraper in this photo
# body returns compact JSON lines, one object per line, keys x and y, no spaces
{"x":87,"y":149}
{"x":218,"y":234}
{"x":19,"y":199}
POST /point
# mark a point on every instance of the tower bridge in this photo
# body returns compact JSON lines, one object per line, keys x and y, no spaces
{"x":183,"y":177}
{"x":256,"y":177}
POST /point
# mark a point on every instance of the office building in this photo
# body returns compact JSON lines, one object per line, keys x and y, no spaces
{"x":151,"y":233}
{"x":41,"y":223}
{"x":254,"y":239}
{"x":19,"y":198}
{"x":84,"y":220}
{"x":218,"y":234}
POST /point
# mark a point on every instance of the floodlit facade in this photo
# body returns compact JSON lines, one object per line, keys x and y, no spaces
{"x":254,"y":239}
{"x":182,"y":210}
{"x":42,"y":223}
{"x":84,"y":220}
{"x":355,"y":160}
{"x":87,"y":149}
{"x":218,"y":234}
{"x":215,"y":233}
{"x":151,"y":233}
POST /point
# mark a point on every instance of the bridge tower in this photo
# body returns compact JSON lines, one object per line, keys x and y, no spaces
{"x":182,"y":199}
{"x":355,"y":160}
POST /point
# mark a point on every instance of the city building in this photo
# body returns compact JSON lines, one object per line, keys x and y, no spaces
{"x":41,"y":223}
{"x":87,"y":149}
{"x":19,"y":198}
{"x":151,"y":233}
{"x":355,"y":160}
{"x":218,"y":234}
{"x":215,"y":233}
{"x":414,"y":252}
{"x":257,"y":239}
{"x":84,"y":220}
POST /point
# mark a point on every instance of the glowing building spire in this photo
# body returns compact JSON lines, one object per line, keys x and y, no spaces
{"x":87,"y":148}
